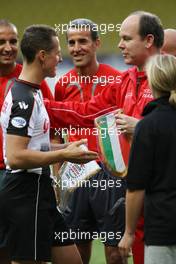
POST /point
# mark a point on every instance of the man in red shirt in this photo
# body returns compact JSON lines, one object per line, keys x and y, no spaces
{"x":87,"y":79}
{"x":141,"y":36}
{"x":9,"y":70}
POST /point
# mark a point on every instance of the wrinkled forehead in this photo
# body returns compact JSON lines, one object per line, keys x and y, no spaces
{"x":130,"y":25}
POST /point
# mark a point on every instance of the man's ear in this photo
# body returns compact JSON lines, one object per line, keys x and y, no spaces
{"x":98,"y":43}
{"x":149,"y":41}
{"x":41,"y":55}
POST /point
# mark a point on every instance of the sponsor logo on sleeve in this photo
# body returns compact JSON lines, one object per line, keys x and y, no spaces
{"x":18,"y":122}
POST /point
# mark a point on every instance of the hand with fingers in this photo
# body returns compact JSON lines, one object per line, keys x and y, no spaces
{"x":125,"y":123}
{"x":75,"y":153}
{"x":126,"y":244}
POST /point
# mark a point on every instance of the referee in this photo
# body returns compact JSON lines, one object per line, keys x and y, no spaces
{"x":30,"y":224}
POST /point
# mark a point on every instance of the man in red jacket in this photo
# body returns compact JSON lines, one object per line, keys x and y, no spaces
{"x":9,"y":70}
{"x":141,"y":36}
{"x":89,"y":208}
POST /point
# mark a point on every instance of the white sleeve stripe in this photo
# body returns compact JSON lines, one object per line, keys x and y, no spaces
{"x":31,"y":120}
{"x":85,"y":116}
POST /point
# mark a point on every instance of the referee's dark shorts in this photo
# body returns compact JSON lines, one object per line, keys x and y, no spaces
{"x":30,"y":223}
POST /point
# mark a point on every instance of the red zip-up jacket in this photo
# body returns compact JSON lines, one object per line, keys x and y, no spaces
{"x":131,"y":95}
{"x":73,"y":87}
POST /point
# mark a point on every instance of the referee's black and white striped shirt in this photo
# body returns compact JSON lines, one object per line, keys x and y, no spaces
{"x":24,"y":114}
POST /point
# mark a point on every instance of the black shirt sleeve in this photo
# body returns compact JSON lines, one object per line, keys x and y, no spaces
{"x":22,"y":111}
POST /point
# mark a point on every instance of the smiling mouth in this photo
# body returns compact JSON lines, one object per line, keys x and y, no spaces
{"x":8,"y":56}
{"x":78,"y":56}
{"x":78,"y":59}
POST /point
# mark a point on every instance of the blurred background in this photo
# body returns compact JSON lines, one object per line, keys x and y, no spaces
{"x":103,"y":12}
{"x":56,"y":13}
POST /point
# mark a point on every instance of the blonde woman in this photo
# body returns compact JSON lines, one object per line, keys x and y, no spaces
{"x":151,"y":176}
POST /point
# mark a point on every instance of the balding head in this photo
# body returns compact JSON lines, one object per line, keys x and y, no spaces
{"x":150,"y":24}
{"x":169,"y":45}
{"x":6,"y":23}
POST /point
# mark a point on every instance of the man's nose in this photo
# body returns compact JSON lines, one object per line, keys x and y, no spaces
{"x":77,"y":46}
{"x":121,"y":44}
{"x":7,"y":46}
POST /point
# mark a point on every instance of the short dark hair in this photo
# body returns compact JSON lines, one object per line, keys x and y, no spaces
{"x":83,"y":24}
{"x":150,"y":24}
{"x":35,"y":38}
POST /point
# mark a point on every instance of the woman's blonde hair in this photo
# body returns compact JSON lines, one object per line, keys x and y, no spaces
{"x":161,"y":73}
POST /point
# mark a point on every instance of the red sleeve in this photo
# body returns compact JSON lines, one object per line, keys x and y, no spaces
{"x":59,"y":89}
{"x":46,"y":91}
{"x":63,"y":114}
